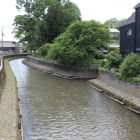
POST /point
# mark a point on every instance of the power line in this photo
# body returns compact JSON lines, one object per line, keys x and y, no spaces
{"x":6,"y":26}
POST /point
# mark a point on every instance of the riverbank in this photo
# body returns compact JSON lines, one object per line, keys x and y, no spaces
{"x":117,"y":95}
{"x":10,"y":112}
{"x":60,"y":70}
{"x":9,"y":108}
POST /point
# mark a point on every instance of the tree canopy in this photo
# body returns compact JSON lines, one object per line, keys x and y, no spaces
{"x":44,"y":20}
{"x":113,"y":22}
{"x":79,"y":43}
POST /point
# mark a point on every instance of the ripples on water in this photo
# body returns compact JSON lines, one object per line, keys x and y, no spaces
{"x":60,"y":109}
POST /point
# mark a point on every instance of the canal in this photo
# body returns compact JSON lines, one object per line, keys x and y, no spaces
{"x":60,"y":109}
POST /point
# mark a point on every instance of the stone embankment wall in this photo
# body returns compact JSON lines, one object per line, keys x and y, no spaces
{"x":127,"y":87}
{"x":10,"y":110}
{"x":2,"y":75}
{"x":2,"y":69}
{"x":125,"y":93}
{"x":60,"y":70}
{"x":127,"y":100}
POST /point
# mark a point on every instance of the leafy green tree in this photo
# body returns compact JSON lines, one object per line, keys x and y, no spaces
{"x":60,"y":16}
{"x":119,"y":22}
{"x":43,"y":51}
{"x":45,"y":20}
{"x":130,"y":66}
{"x":25,"y":31}
{"x":113,"y":22}
{"x":78,"y":45}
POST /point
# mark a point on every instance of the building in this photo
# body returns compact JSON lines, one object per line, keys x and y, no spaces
{"x":130,"y":33}
{"x":115,"y":33}
{"x":9,"y":45}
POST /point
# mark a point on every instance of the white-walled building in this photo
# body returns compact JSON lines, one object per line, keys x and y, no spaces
{"x":116,"y":37}
{"x":9,"y":45}
{"x":115,"y":33}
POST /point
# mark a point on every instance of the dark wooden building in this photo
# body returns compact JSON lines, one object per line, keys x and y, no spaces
{"x":130,"y":33}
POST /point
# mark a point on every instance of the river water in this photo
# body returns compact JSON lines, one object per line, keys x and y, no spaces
{"x":60,"y":109}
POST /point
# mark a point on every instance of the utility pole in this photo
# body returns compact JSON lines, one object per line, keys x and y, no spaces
{"x":2,"y":37}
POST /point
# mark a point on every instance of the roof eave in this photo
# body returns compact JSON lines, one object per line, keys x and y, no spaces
{"x":127,"y":23}
{"x":137,"y":6}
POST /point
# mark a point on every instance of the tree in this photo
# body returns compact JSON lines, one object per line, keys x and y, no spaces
{"x":119,"y":22}
{"x":79,"y":43}
{"x":130,"y":66}
{"x":113,"y":22}
{"x":25,"y":31}
{"x":60,"y":16}
{"x":45,"y":20}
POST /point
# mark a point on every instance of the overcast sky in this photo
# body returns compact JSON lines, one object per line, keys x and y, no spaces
{"x":99,"y":10}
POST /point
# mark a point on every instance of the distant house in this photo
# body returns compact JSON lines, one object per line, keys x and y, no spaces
{"x":115,"y":36}
{"x":115,"y":33}
{"x":9,"y":45}
{"x":130,"y":33}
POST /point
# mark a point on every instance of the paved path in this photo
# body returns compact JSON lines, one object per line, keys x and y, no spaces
{"x":8,"y":107}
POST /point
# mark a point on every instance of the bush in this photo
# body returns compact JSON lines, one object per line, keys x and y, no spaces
{"x":130,"y":66}
{"x":99,"y":55}
{"x":43,"y":51}
{"x":136,"y":80}
{"x":113,"y":48}
{"x":104,"y":63}
{"x":113,"y":59}
{"x":52,"y":53}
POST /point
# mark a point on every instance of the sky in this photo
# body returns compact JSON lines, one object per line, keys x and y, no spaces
{"x":99,"y":10}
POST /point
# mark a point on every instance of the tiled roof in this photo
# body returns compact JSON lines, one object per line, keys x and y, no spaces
{"x":114,"y":30}
{"x":138,"y":5}
{"x":130,"y":20}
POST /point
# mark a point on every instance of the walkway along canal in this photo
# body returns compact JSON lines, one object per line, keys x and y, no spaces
{"x":60,"y":109}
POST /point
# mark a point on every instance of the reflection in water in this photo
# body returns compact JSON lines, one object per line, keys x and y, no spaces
{"x":60,"y":109}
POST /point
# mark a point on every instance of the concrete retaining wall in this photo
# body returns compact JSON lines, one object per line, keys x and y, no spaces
{"x":127,"y":100}
{"x":6,"y":87}
{"x":2,"y":69}
{"x":127,"y":87}
{"x":2,"y":76}
{"x":63,"y":71}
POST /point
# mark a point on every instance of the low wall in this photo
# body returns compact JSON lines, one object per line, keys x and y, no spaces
{"x":60,"y":70}
{"x":127,"y":100}
{"x":127,"y":87}
{"x":2,"y":77}
{"x":2,"y":69}
{"x":7,"y":86}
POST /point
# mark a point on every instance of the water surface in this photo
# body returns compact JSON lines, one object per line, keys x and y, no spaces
{"x":60,"y":109}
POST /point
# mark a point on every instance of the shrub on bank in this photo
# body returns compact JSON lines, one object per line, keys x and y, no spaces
{"x":134,"y":80}
{"x":130,"y":67}
{"x":112,"y":48}
{"x":42,"y":51}
{"x":99,"y":55}
{"x":113,"y":60}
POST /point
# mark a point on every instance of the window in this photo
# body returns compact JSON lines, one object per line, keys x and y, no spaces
{"x":128,"y":32}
